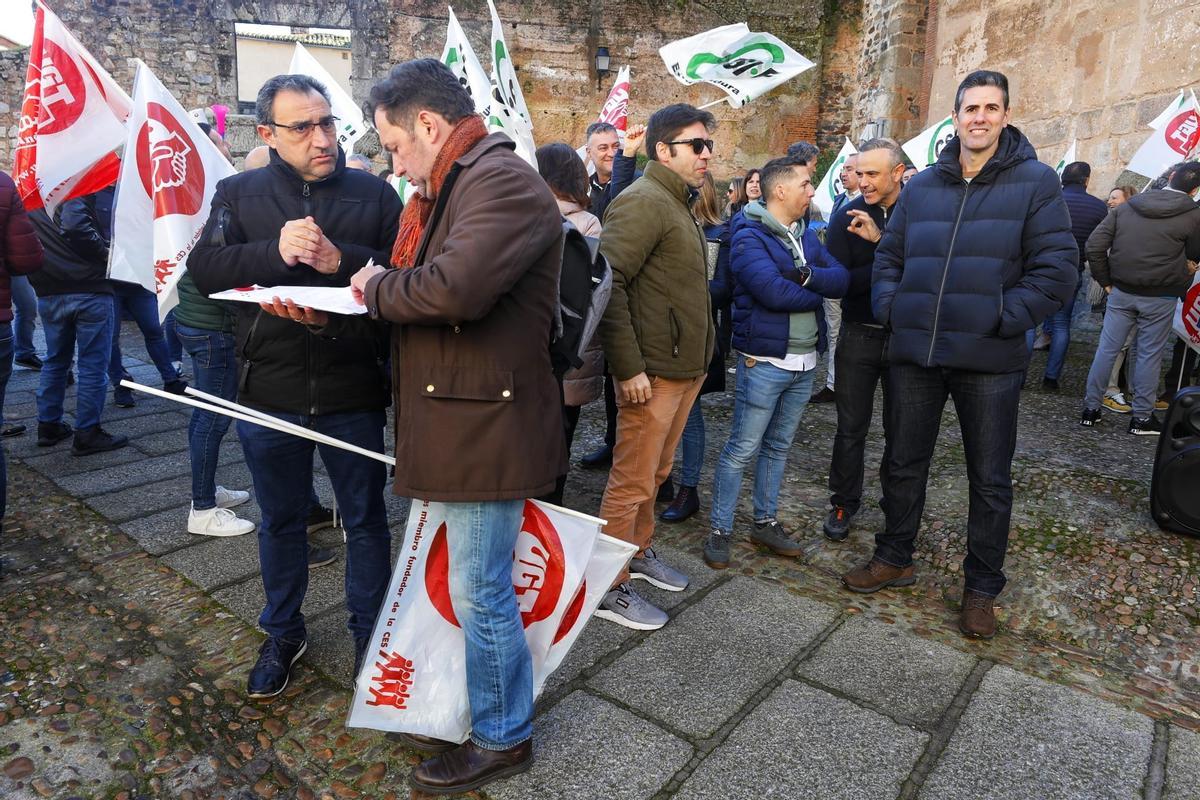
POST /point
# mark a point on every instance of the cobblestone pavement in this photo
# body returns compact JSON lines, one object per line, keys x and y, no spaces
{"x":125,"y":642}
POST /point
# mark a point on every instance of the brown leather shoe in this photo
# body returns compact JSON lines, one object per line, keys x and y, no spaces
{"x":425,"y":744}
{"x":876,"y":575}
{"x":469,"y":767}
{"x":978,"y":617}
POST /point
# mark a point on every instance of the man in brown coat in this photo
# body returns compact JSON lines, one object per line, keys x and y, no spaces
{"x":471,"y":298}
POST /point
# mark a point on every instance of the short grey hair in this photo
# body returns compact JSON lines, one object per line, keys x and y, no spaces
{"x":264,"y":106}
{"x":895,"y":152}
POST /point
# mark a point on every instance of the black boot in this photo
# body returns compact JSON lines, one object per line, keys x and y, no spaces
{"x":96,"y":440}
{"x":666,"y":492}
{"x":686,"y":503}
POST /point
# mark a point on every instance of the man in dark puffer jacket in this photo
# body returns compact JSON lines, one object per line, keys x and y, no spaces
{"x":978,"y":251}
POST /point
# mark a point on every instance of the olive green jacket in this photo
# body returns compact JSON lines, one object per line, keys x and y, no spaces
{"x":658,"y":320}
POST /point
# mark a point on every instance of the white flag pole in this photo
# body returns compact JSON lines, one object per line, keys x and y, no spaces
{"x":265,"y":420}
{"x":713,"y":103}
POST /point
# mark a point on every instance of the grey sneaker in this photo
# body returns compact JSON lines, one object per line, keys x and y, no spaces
{"x":650,"y":568}
{"x":626,"y":607}
{"x":716,"y":549}
{"x":770,"y":534}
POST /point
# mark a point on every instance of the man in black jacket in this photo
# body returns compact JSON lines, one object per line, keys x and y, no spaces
{"x":1140,"y":255}
{"x":305,"y":220}
{"x":861,"y":356}
{"x":978,"y":251}
{"x":75,"y":304}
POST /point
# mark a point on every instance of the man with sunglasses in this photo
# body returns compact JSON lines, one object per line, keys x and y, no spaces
{"x":658,"y":338}
{"x":305,"y":219}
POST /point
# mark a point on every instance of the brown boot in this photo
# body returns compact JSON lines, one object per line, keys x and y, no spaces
{"x":426,"y":744}
{"x":876,"y":575}
{"x":978,"y":617}
{"x":469,"y":767}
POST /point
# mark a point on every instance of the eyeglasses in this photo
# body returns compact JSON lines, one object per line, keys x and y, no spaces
{"x":302,"y":129}
{"x":698,"y":144}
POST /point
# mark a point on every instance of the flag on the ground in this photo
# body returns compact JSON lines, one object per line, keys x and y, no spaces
{"x":72,"y":119}
{"x":923,"y":149}
{"x":414,"y":676}
{"x":350,"y":125}
{"x":460,"y":57}
{"x":1187,"y":316}
{"x":168,"y":175}
{"x":831,"y":185}
{"x":746,"y":64}
{"x":616,"y":108}
{"x":508,"y":110}
{"x":1177,"y":138}
{"x":1068,"y":158}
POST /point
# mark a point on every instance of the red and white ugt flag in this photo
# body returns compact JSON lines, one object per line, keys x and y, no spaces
{"x":168,"y":177}
{"x":616,"y":108}
{"x":72,"y":119}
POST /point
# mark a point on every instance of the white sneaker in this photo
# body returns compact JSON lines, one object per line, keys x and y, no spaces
{"x":228,"y":498}
{"x":217,"y":522}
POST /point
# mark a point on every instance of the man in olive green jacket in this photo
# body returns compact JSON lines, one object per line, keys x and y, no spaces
{"x":658,"y":338}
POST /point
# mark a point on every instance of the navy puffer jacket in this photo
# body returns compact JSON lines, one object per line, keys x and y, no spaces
{"x":763,"y":294}
{"x":963,"y":270}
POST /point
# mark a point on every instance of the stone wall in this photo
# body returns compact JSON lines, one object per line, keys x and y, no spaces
{"x":889,"y":74}
{"x":190,"y":46}
{"x":1092,"y":70}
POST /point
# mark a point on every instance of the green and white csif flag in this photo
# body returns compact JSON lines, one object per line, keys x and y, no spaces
{"x":924,"y":149}
{"x":1068,"y":158}
{"x":460,"y":57}
{"x":351,"y":125}
{"x":744,"y":63}
{"x":831,"y":184}
{"x":508,"y":111}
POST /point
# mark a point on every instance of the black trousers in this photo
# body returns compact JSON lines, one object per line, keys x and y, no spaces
{"x":861,"y":365}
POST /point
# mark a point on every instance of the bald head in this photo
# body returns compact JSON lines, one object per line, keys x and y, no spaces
{"x":257,"y":158}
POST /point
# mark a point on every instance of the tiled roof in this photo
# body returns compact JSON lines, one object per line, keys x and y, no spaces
{"x":315,"y":39}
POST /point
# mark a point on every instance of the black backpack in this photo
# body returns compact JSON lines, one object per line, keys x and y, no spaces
{"x":584,"y":286}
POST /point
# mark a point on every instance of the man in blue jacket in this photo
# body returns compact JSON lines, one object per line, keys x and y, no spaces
{"x":781,"y":277}
{"x":978,"y":251}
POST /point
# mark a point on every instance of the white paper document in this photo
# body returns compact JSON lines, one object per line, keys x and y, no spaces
{"x":334,"y":299}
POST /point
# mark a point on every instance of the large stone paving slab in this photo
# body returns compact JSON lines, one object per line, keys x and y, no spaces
{"x":588,"y":749}
{"x":699,"y":670}
{"x":911,"y":678}
{"x":216,"y":561}
{"x":700,"y":576}
{"x":598,"y":639}
{"x":326,"y":590}
{"x":805,"y":743}
{"x":1023,"y":737}
{"x":1183,"y":766}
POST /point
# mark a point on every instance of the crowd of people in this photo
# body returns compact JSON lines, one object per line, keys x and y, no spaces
{"x":923,"y":285}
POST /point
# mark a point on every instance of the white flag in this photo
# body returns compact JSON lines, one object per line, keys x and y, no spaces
{"x":508,"y":111}
{"x":615,"y":110}
{"x":460,"y":57}
{"x":414,"y":679}
{"x":924,"y":149}
{"x":1175,"y":139}
{"x":1068,"y":158}
{"x":351,"y":126}
{"x":1187,"y":316}
{"x":831,"y":184}
{"x":72,"y":119}
{"x":168,"y":175}
{"x":744,"y":63}
{"x":1177,"y":105}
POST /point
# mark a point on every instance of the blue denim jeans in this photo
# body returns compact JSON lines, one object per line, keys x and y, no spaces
{"x":142,"y":305}
{"x":170,"y":330}
{"x":85,"y":319}
{"x":693,"y":447}
{"x":24,"y":307}
{"x":281,"y":466}
{"x":1149,"y":320}
{"x":768,"y":404}
{"x":480,"y":538}
{"x":6,"y":362}
{"x":987,"y":416}
{"x":1058,"y":328}
{"x":215,"y":371}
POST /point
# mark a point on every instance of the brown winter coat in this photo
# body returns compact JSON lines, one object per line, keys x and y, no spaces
{"x":478,"y":413}
{"x":20,"y":249}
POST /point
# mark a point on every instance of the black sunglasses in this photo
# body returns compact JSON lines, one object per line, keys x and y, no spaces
{"x":698,"y":144}
{"x":326,"y":124}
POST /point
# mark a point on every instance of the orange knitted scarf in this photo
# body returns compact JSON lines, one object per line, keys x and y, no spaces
{"x":465,"y":135}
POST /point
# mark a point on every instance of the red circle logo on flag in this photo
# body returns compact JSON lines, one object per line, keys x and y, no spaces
{"x":539,"y":565}
{"x":168,"y":164}
{"x":1191,"y":313}
{"x":64,"y":94}
{"x":1183,"y":132}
